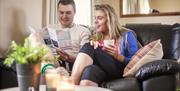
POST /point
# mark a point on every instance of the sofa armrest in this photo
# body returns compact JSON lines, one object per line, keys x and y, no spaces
{"x":4,"y":67}
{"x":157,"y":68}
{"x":8,"y":76}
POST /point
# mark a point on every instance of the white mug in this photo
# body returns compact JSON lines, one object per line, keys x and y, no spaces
{"x":108,"y":42}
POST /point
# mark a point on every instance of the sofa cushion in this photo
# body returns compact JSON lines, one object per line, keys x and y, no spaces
{"x":126,"y":84}
{"x":175,"y":52}
{"x":160,"y":83}
{"x":150,"y":52}
{"x":157,"y":68}
{"x":169,"y":35}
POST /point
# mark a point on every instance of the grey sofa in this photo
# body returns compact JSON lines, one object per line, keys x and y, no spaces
{"x":158,"y":75}
{"x":155,"y":76}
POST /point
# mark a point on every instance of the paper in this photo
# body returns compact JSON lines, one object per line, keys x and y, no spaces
{"x":61,"y":38}
{"x":31,"y":29}
{"x":53,"y":37}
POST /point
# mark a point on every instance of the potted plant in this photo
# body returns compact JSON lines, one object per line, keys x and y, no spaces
{"x":28,"y":58}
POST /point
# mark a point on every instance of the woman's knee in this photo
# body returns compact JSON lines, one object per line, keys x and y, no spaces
{"x":86,"y":45}
{"x":87,"y":49}
{"x":93,"y":73}
{"x":88,"y":83}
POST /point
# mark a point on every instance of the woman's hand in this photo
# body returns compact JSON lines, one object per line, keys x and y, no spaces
{"x":112,"y":50}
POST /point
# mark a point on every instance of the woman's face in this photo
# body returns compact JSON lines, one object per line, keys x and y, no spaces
{"x":101,"y":21}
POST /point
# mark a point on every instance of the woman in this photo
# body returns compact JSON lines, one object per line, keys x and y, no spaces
{"x":95,"y":62}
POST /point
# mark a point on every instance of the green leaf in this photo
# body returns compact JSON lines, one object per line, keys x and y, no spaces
{"x":24,"y":54}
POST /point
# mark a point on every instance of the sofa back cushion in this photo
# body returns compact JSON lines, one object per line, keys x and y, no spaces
{"x":158,"y":68}
{"x":168,"y":34}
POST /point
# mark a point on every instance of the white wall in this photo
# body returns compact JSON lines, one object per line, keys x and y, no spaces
{"x":83,"y":12}
{"x":15,"y":16}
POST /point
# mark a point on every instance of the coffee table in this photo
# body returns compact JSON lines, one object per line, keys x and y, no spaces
{"x":77,"y":88}
{"x":90,"y":88}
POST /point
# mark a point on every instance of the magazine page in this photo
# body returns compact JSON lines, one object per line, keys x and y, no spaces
{"x":38,"y":32}
{"x":53,"y":37}
{"x":46,"y":38}
{"x":61,"y":38}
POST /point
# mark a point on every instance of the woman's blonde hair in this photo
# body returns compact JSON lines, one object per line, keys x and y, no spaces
{"x":113,"y":24}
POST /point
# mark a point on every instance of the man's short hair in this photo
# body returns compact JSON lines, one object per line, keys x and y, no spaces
{"x":66,"y":2}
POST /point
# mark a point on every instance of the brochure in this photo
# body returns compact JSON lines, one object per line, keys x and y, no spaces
{"x":53,"y":37}
{"x":63,"y":40}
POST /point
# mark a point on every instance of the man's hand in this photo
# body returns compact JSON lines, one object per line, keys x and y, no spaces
{"x":64,"y":55}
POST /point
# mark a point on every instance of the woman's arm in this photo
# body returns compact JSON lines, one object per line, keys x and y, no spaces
{"x":130,"y":45}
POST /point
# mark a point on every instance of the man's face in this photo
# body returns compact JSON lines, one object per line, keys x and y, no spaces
{"x":66,"y":15}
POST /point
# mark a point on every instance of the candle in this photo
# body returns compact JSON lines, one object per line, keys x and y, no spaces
{"x":52,"y":79}
{"x":65,"y":84}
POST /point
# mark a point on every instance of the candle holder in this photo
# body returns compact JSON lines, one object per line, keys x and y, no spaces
{"x":52,"y":77}
{"x":65,"y":84}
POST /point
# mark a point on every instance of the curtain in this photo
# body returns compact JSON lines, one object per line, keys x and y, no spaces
{"x":50,"y":12}
{"x":130,"y":6}
{"x":135,"y":6}
{"x":144,"y":7}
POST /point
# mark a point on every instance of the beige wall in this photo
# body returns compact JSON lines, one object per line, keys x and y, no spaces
{"x":114,"y":3}
{"x":166,"y":6}
{"x":159,"y":19}
{"x":15,"y":17}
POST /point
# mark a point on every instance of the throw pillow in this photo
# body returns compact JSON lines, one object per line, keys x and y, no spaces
{"x":151,"y":52}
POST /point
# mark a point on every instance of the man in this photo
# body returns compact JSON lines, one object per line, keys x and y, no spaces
{"x":66,"y":11}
